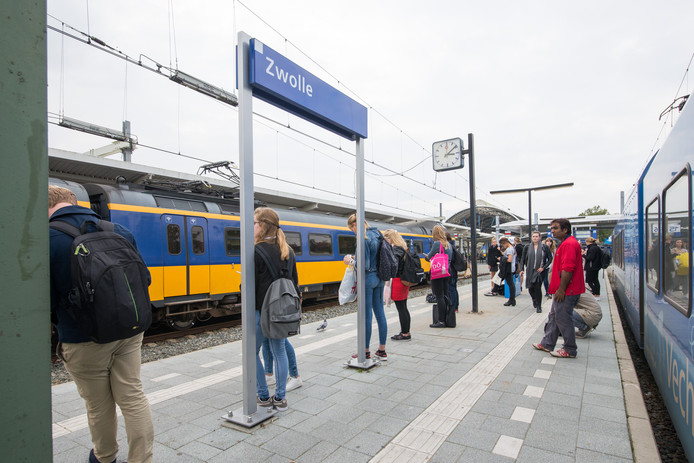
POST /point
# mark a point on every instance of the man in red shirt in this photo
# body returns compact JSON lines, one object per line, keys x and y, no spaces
{"x":566,"y":285}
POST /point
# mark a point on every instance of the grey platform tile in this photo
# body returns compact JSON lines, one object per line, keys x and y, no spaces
{"x":163,"y":454}
{"x":552,"y":437}
{"x":336,"y":432}
{"x":291,"y":418}
{"x":368,"y":442}
{"x":603,"y":413}
{"x":529,"y":454}
{"x":322,"y":379}
{"x":291,"y":444}
{"x":366,"y":419}
{"x":494,"y":408}
{"x":507,"y":386}
{"x":610,"y":391}
{"x":399,"y":396}
{"x":574,"y":390}
{"x":63,"y":444}
{"x":561,"y":398}
{"x":491,"y":395}
{"x":604,"y":428}
{"x":263,"y":433}
{"x":447,"y":453}
{"x":412,"y":384}
{"x":588,"y":456}
{"x":210,"y":422}
{"x":507,"y":427}
{"x":180,"y":435}
{"x":604,"y":444}
{"x":377,"y":405}
{"x":474,"y":438}
{"x":386,"y":425}
{"x":569,"y":413}
{"x":318,"y":453}
{"x":472,"y":455}
{"x":342,"y":455}
{"x":615,"y":403}
{"x":241,"y":452}
{"x":72,"y":455}
{"x":519,"y":399}
{"x":318,"y":391}
{"x":311,"y":405}
{"x":221,"y":438}
{"x":182,"y":409}
{"x":199,"y":450}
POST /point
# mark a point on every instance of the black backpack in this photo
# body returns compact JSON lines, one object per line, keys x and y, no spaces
{"x":412,"y":271}
{"x":605,"y":260}
{"x":109,"y":298}
{"x":387,"y":263}
{"x":458,"y":262}
{"x":280,"y":315}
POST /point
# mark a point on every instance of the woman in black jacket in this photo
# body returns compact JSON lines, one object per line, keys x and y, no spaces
{"x":593,"y":258}
{"x":536,"y":258}
{"x":269,"y":236}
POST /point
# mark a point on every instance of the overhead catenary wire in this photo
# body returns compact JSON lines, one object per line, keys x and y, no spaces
{"x":157,"y":68}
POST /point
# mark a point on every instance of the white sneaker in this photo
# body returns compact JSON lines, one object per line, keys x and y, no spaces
{"x":270,"y":379}
{"x":294,"y":383}
{"x":597,"y":298}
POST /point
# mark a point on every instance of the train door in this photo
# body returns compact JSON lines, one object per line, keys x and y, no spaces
{"x":186,"y":256}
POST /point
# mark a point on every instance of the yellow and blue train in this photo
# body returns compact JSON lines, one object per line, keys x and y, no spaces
{"x":191,"y":245}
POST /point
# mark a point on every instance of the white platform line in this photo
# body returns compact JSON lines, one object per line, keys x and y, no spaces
{"x":76,"y":423}
{"x":422,"y":438}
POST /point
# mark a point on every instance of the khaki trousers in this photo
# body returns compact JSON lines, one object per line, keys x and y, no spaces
{"x":106,"y":375}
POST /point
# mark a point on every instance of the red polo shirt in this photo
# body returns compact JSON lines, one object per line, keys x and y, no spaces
{"x":568,"y":257}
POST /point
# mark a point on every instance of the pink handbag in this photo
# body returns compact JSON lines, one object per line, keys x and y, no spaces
{"x":439,"y":264}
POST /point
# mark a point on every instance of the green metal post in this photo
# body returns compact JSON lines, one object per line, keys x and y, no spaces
{"x":25,"y":378}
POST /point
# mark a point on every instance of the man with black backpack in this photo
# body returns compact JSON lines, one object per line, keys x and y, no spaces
{"x":106,"y":373}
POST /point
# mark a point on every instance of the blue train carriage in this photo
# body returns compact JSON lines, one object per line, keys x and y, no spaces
{"x":655,"y":279}
{"x":191,"y":245}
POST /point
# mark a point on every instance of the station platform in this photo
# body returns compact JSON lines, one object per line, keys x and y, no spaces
{"x":475,"y":393}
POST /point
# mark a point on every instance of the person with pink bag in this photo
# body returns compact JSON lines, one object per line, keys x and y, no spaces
{"x":440,"y":272}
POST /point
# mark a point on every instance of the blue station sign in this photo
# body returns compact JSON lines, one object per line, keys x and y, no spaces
{"x":282,"y":83}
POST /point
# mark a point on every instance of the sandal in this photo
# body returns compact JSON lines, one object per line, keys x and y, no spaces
{"x":368,"y":355}
{"x":561,"y":353}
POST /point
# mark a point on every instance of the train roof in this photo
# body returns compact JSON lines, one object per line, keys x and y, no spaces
{"x":84,"y":168}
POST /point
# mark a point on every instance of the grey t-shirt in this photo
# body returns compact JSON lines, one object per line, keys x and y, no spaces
{"x":511,"y":252}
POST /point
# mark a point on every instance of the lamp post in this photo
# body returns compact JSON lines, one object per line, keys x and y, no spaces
{"x":530,"y":203}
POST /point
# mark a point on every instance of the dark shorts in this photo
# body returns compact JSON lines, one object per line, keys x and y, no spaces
{"x":494,"y":268}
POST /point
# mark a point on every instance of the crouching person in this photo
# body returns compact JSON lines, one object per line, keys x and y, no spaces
{"x":586,"y":315}
{"x":104,"y":365}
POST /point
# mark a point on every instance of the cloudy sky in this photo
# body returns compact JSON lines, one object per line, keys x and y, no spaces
{"x":553,"y":92}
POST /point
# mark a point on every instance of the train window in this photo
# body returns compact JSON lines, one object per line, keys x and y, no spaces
{"x":232,"y":241}
{"x":294,"y":242}
{"x":197,"y":234}
{"x":346,"y":244}
{"x":173,"y":239}
{"x":653,"y":240}
{"x":320,"y":244}
{"x":677,"y":206}
{"x":417,"y":245}
{"x":181,"y":204}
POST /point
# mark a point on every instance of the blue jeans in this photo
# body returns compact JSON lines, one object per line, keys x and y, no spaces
{"x":374,"y":306}
{"x":453,"y":291}
{"x":291,"y":357}
{"x":578,"y":321}
{"x":560,"y":322}
{"x":277,"y":347}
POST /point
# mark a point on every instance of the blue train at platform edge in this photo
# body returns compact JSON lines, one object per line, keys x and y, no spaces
{"x":192,"y":246}
{"x":652,"y":265}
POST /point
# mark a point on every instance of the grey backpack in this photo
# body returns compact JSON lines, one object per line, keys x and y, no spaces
{"x":280,"y":315}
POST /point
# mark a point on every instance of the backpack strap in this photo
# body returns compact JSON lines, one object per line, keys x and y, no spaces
{"x":268,"y":263}
{"x":66,"y":228}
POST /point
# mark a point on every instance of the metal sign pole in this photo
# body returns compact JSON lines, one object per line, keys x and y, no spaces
{"x":473,"y":220}
{"x":248,"y":415}
{"x":361,"y":361}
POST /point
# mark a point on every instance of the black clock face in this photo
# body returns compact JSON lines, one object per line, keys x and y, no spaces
{"x":447,"y":155}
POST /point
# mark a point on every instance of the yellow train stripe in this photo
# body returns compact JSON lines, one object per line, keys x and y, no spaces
{"x":161,"y":211}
